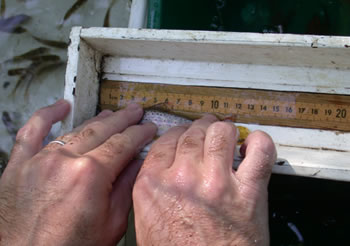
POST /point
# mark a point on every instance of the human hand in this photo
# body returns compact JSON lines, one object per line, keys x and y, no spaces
{"x":186,"y":192}
{"x":76,"y":194}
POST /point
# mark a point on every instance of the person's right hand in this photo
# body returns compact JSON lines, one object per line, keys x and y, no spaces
{"x":187,"y":193}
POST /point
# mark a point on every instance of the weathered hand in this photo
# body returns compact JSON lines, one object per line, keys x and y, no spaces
{"x":186,"y":192}
{"x":76,"y":194}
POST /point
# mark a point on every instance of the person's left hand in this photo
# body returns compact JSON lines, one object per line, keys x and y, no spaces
{"x":76,"y":194}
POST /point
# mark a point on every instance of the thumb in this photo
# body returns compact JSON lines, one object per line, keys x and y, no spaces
{"x":259,"y":157}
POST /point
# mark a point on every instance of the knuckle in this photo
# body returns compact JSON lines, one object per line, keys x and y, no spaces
{"x":143,"y":180}
{"x":184,"y":178}
{"x":161,"y":150}
{"x":155,"y":155}
{"x":66,"y":138}
{"x":75,"y":139}
{"x":116,"y":145}
{"x":219,"y":139}
{"x":25,"y":132}
{"x":145,"y":185}
{"x":214,"y":191}
{"x":84,"y":166}
{"x":217,"y":144}
{"x":191,"y":140}
{"x":88,"y":132}
{"x":109,"y":150}
{"x":120,"y":143}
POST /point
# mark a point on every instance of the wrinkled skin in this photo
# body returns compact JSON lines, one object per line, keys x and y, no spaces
{"x":76,"y":194}
{"x":187,"y":193}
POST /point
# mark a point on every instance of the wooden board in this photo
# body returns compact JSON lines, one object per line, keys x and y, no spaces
{"x":303,"y":110}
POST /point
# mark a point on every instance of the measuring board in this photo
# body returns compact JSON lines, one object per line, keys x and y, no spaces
{"x":303,"y":110}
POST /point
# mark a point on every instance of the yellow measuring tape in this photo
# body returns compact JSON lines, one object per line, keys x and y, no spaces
{"x":306,"y":110}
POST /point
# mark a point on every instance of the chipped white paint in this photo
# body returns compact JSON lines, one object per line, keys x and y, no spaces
{"x":243,"y":60}
{"x":71,"y":73}
{"x":82,"y":81}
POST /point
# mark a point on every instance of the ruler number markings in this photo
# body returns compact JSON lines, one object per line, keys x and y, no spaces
{"x":240,"y":104}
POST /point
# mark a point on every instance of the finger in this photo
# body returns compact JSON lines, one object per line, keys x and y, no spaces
{"x":97,"y":132}
{"x":121,"y":198}
{"x":219,"y":147}
{"x":190,"y":146}
{"x":30,"y":137}
{"x":119,"y":149}
{"x":69,"y":136}
{"x":162,"y":153}
{"x":104,"y":114}
{"x":260,"y":155}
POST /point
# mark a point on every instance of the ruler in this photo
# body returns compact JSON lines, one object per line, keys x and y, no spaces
{"x":292,"y":109}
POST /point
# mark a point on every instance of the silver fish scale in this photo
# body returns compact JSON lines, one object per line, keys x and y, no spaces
{"x":164,"y":121}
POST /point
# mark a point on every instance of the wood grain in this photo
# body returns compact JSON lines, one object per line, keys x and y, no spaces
{"x":305,"y":110}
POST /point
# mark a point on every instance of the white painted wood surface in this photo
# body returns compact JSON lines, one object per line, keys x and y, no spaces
{"x":267,"y":77}
{"x":82,"y":81}
{"x":138,"y":14}
{"x":239,"y":60}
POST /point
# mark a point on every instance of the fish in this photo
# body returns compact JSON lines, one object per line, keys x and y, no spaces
{"x":12,"y":24}
{"x":30,"y":54}
{"x":17,"y":71}
{"x":33,"y":71}
{"x":48,"y":67}
{"x":164,"y":121}
{"x":52,"y":43}
{"x":3,"y":161}
{"x":72,"y":9}
{"x":106,"y":19}
{"x":3,"y":8}
{"x":11,"y":123}
{"x":45,"y":58}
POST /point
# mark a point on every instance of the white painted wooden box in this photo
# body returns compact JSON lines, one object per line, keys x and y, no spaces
{"x":238,"y":60}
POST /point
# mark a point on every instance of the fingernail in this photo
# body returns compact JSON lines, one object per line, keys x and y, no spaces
{"x":151,"y":124}
{"x":134,"y":107}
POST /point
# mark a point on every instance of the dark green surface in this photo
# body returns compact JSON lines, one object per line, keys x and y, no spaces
{"x":322,"y":17}
{"x":320,"y":209}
